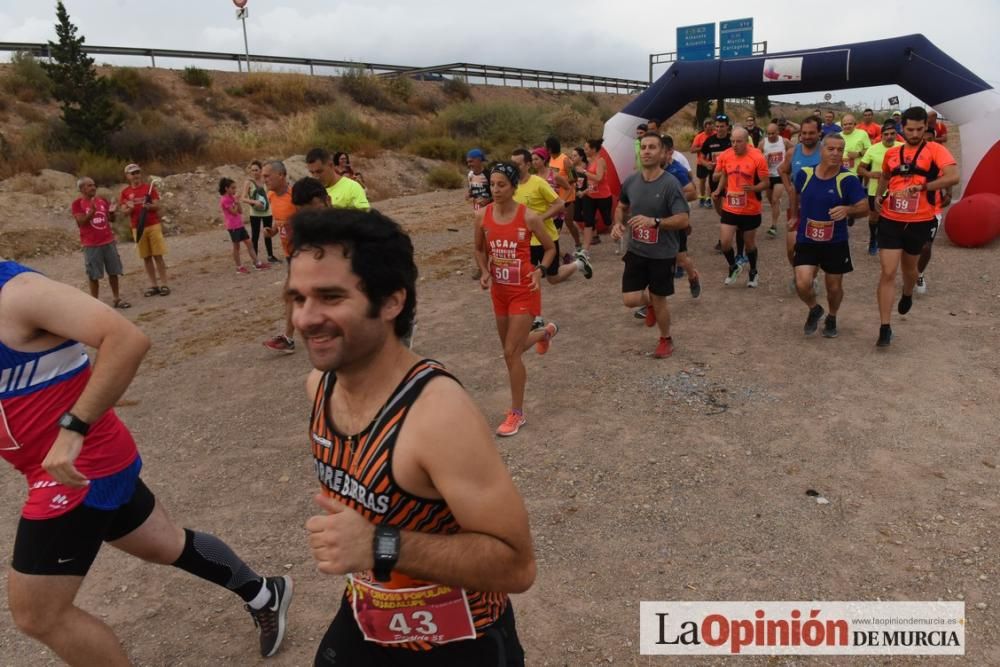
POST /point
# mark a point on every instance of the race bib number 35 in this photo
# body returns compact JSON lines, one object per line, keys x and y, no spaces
{"x":819,"y":230}
{"x":432,"y":613}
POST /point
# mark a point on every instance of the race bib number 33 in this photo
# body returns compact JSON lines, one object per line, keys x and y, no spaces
{"x":433,"y":613}
{"x":648,"y":235}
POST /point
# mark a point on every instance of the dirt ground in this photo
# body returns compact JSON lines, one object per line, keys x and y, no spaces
{"x":645,"y":479}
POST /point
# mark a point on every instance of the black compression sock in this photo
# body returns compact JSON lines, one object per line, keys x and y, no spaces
{"x":209,"y":558}
{"x":740,"y":245}
{"x":873,"y":232}
{"x":730,"y":257}
{"x":752,"y":258}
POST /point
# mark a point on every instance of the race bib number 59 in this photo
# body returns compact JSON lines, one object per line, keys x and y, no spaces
{"x":900,"y":202}
{"x":432,"y":613}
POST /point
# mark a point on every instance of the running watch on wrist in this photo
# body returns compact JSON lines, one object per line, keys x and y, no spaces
{"x":71,"y":422}
{"x":386,"y":548}
{"x":656,"y":222}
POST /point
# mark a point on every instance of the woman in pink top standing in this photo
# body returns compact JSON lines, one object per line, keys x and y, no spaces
{"x":597,"y":199}
{"x":233,"y":215}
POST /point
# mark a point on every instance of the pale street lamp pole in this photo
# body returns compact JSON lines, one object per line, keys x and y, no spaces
{"x":241,"y":14}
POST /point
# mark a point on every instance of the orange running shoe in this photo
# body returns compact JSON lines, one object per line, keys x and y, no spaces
{"x":511,"y":424}
{"x":665,"y":348}
{"x":542,"y":346}
{"x":650,"y":316}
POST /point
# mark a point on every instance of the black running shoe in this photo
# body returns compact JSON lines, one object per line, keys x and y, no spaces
{"x":812,"y":322}
{"x":830,"y":327}
{"x":905,"y":303}
{"x":271,"y":619}
{"x":695,"y":286}
{"x":884,"y":336}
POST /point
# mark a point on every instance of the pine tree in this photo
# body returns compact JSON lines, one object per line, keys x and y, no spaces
{"x":762,"y":106}
{"x":88,"y":108}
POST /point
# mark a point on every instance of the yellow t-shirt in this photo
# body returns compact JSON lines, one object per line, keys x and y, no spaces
{"x":858,"y":142}
{"x":348,"y":193}
{"x":538,"y":196}
{"x":873,"y":158}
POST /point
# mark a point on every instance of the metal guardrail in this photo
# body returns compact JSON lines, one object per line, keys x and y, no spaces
{"x":498,"y":74}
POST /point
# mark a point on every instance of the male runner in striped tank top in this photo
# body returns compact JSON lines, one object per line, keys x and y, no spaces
{"x":418,"y":508}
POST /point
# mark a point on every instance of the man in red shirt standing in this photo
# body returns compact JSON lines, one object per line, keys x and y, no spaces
{"x":703,"y":169}
{"x":93,"y":215}
{"x":871,"y":128}
{"x":939,"y":128}
{"x":152,"y":247}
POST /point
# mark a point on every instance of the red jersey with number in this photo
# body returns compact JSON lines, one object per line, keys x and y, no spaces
{"x":36,"y":388}
{"x":508,"y":248}
{"x":137,"y":196}
{"x":747,"y":169}
{"x":907,"y":165}
{"x":356,"y":470}
{"x":97,"y":232}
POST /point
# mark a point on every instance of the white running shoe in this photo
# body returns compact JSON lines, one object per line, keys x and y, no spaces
{"x":921,"y":284}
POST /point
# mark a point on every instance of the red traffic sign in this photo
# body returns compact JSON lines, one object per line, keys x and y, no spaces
{"x":240,"y":3}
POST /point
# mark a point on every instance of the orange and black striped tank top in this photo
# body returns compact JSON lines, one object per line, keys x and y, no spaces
{"x":356,"y":470}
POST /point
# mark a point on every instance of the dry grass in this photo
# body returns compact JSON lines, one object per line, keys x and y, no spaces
{"x":282,"y":93}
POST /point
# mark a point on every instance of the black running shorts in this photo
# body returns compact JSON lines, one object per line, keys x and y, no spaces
{"x":642,"y":272}
{"x":538,"y":252}
{"x":344,"y":646}
{"x":908,"y":237}
{"x":833,"y":258}
{"x":68,"y":544}
{"x":744,"y":223}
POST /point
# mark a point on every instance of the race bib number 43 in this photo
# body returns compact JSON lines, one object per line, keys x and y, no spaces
{"x":432,"y":613}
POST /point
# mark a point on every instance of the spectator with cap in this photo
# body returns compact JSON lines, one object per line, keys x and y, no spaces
{"x":135,"y":198}
{"x":897,"y":119}
{"x":478,"y":189}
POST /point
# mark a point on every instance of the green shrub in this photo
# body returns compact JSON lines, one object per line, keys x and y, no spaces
{"x":425,"y":103}
{"x":105,"y":170}
{"x":568,"y":124}
{"x":495,"y":123}
{"x":26,"y":79}
{"x":195,"y":76}
{"x":136,"y":89}
{"x":331,"y":119}
{"x":155,"y":136}
{"x":457,"y":88}
{"x":445,"y":177}
{"x":282,"y":93}
{"x":399,"y":87}
{"x":214,"y":106}
{"x":436,"y":148}
{"x":29,"y":113}
{"x":367,"y":89}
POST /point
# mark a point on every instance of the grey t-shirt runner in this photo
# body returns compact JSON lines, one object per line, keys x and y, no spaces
{"x":661,"y":198}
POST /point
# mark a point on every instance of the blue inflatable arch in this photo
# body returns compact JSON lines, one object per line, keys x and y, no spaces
{"x":912,"y":62}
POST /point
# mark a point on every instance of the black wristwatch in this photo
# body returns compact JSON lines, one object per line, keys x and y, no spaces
{"x":71,"y":422}
{"x":386,"y":548}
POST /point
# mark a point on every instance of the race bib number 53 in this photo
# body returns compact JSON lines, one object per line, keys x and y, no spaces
{"x":736,"y":199}
{"x":432,"y":613}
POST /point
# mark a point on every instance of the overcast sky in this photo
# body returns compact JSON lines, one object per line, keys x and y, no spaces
{"x":584,"y":36}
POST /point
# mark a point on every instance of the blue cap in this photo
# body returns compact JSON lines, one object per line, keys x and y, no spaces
{"x":475,"y":153}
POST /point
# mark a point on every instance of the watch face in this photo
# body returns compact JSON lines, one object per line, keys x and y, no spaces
{"x":385,"y":544}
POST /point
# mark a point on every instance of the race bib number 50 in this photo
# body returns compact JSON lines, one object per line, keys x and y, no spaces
{"x":506,"y":271}
{"x":432,"y":613}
